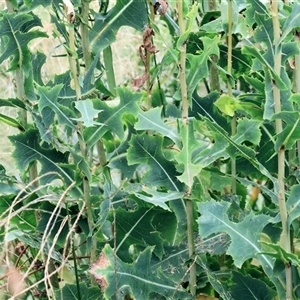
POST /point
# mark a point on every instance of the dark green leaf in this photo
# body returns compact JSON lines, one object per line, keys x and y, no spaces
{"x":15,"y":30}
{"x":134,"y":280}
{"x":70,"y":291}
{"x":248,"y":288}
{"x":27,"y":150}
{"x":152,"y":120}
{"x":146,"y":149}
{"x":111,"y":117}
{"x":124,"y":13}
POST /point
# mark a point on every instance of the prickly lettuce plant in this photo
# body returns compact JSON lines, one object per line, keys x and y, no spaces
{"x":181,"y":184}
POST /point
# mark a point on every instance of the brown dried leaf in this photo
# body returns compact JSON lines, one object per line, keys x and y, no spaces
{"x":147,"y":43}
{"x":161,"y":7}
{"x":102,"y":263}
{"x":69,"y":10}
{"x":139,"y":81}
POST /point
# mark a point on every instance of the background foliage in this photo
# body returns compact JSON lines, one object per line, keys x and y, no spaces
{"x":180,"y":182}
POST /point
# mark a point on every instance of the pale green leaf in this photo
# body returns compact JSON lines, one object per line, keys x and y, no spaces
{"x":244,"y":235}
{"x":228,"y":105}
{"x":190,"y":144}
{"x":134,"y":280}
{"x":158,"y":198}
{"x":152,"y":120}
{"x":88,"y":113}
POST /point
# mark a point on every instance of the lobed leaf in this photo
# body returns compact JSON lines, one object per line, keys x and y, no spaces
{"x":124,"y":13}
{"x":184,"y":158}
{"x":244,"y":235}
{"x":134,"y":280}
{"x":15,"y":31}
{"x":88,"y":113}
{"x":28,"y":149}
{"x":111,"y":117}
{"x":151,"y":120}
{"x":146,"y":149}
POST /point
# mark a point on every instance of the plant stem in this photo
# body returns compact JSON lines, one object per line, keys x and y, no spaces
{"x":213,"y":70}
{"x":185,"y":107}
{"x":85,"y":33}
{"x":20,"y":93}
{"x":74,"y":69}
{"x":285,"y":241}
{"x":229,"y":88}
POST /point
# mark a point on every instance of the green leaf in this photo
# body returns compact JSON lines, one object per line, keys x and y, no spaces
{"x":250,"y":288}
{"x":199,"y":63}
{"x":191,"y":16}
{"x":146,"y":149}
{"x":228,"y":105}
{"x":235,"y":149}
{"x":293,"y":204}
{"x":184,"y":158}
{"x":212,"y":154}
{"x":28,"y":149}
{"x":124,"y":13}
{"x":254,"y":7}
{"x":255,"y":53}
{"x":290,"y":134}
{"x":48,"y":99}
{"x":135,"y":228}
{"x":111,"y":117}
{"x":291,"y":22}
{"x":88,"y":113}
{"x":70,"y":291}
{"x":244,"y":235}
{"x":158,"y":198}
{"x":151,"y":120}
{"x":280,"y":254}
{"x":15,"y":31}
{"x":134,"y":280}
{"x":248,"y":130}
{"x":11,"y":122}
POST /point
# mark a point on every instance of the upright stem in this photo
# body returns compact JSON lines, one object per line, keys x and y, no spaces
{"x":20,"y":93}
{"x":285,"y":236}
{"x":185,"y":107}
{"x":85,"y":32}
{"x":75,"y":72}
{"x":229,"y":88}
